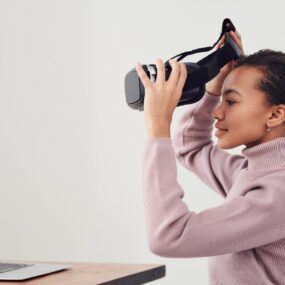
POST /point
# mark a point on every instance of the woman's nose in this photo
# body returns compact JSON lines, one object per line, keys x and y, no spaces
{"x":218,"y":113}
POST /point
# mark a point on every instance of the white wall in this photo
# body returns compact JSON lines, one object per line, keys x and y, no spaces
{"x":70,"y":147}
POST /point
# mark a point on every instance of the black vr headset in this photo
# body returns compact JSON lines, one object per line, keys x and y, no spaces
{"x":198,"y":74}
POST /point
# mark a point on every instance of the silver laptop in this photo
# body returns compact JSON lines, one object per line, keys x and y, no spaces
{"x":22,"y":271}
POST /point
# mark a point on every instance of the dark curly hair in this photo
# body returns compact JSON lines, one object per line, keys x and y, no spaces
{"x":272,"y":65}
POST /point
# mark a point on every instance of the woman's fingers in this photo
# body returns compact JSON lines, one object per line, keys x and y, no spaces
{"x":237,"y":39}
{"x":235,"y":36}
{"x":238,"y":35}
{"x":143,"y":77}
{"x":160,"y":79}
{"x":221,"y":42}
{"x":174,"y":75}
{"x":182,"y":78}
{"x":176,"y":80}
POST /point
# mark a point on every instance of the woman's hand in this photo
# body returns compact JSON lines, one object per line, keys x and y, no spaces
{"x":215,"y":85}
{"x":162,"y":97}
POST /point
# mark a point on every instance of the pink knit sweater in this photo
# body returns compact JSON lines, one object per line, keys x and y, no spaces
{"x":244,"y":237}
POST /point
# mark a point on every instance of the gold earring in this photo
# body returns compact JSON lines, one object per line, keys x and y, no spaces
{"x":268,"y":129}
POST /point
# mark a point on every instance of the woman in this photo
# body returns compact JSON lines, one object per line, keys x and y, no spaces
{"x":244,"y":237}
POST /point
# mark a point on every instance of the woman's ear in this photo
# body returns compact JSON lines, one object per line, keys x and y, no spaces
{"x":278,"y":115}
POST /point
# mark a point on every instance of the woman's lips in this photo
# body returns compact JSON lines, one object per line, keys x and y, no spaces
{"x":219,"y":127}
{"x":220,"y":132}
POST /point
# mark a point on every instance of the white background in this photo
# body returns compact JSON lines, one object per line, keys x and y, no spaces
{"x":70,"y":147}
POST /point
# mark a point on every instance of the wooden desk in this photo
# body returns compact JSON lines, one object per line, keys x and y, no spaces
{"x":98,"y":274}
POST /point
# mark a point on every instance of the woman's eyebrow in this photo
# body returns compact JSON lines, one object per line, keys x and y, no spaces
{"x":230,"y":90}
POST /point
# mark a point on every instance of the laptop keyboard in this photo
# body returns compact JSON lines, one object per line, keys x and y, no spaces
{"x":5,"y":267}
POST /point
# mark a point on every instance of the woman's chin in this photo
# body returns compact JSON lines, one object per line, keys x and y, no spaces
{"x":223,"y":144}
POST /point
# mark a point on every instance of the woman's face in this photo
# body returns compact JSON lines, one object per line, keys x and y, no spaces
{"x":242,"y":111}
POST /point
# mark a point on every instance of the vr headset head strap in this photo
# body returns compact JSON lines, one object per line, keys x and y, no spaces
{"x":227,"y":26}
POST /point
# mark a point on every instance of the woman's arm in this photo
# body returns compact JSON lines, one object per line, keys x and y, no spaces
{"x":195,"y":150}
{"x":251,"y":219}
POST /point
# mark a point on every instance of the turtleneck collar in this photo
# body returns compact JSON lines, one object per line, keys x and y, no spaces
{"x":266,"y":155}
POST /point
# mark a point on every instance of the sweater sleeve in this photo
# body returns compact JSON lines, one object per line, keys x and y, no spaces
{"x":195,"y":150}
{"x":240,"y":223}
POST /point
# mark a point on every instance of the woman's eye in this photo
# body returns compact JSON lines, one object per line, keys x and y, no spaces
{"x":230,"y":102}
